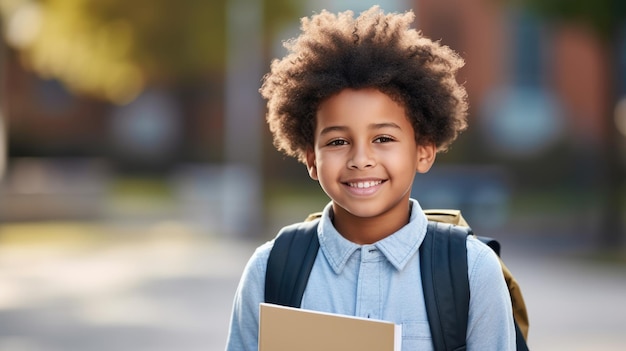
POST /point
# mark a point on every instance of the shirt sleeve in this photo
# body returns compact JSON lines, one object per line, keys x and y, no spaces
{"x":490,"y":321}
{"x":244,"y":324}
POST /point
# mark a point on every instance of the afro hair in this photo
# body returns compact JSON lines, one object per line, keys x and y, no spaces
{"x":375,"y":50}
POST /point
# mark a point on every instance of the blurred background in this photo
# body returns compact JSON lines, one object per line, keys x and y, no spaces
{"x":138,"y":175}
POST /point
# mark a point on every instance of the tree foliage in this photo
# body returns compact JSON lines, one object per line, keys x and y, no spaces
{"x":113,"y":48}
{"x":604,"y":16}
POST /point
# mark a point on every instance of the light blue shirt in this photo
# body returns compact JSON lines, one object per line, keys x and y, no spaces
{"x":382,"y":281}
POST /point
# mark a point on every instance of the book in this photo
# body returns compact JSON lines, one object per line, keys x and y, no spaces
{"x":293,"y":329}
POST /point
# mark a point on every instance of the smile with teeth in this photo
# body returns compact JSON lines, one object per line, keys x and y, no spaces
{"x":365,"y":185}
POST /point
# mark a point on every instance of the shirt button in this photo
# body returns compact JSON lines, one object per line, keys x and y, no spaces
{"x":369,"y":252}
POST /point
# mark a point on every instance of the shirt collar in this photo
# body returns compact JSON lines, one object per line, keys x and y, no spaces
{"x":397,"y":248}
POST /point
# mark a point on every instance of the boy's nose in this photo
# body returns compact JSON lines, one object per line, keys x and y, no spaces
{"x":361,"y":157}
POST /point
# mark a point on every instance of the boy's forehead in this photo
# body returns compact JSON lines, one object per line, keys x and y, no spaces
{"x":359,"y":101}
{"x":359,"y":108}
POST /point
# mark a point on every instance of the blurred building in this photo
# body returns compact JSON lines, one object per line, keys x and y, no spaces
{"x":152,"y":133}
{"x":513,"y":60}
{"x":555,"y":70}
{"x":539,"y":95}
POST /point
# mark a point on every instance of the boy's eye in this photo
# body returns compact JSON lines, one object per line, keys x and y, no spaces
{"x":383,"y":139}
{"x":337,"y":142}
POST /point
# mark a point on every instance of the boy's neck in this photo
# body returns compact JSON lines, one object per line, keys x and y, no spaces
{"x":368,"y":230}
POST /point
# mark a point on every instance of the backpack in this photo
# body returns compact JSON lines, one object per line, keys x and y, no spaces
{"x":443,"y":260}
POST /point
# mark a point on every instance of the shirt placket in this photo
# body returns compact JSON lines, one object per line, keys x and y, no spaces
{"x":368,"y":296}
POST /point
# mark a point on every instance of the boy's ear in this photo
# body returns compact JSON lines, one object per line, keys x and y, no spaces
{"x":311,"y":164}
{"x":426,"y":154}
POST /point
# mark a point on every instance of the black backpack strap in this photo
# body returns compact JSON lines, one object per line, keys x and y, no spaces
{"x":290,"y":262}
{"x":520,"y":341}
{"x":443,"y":260}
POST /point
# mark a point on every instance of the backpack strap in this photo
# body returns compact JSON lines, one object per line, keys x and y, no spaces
{"x":443,"y":260}
{"x":443,"y":266}
{"x":290,"y":263}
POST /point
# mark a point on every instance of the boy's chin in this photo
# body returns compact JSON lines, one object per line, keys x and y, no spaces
{"x":359,"y":211}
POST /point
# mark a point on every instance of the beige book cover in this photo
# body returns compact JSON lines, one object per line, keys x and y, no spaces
{"x":292,"y":329}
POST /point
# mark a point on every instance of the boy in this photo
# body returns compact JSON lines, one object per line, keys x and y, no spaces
{"x":365,"y":103}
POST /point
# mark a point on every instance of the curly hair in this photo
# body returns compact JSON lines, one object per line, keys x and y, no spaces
{"x":375,"y":50}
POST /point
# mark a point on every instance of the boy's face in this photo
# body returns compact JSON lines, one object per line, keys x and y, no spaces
{"x":365,"y":155}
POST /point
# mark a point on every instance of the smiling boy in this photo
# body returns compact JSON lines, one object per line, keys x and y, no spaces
{"x":366,"y":103}
{"x":365,"y":157}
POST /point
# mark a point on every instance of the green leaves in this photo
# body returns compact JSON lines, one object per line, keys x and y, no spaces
{"x":113,"y":48}
{"x":604,"y":16}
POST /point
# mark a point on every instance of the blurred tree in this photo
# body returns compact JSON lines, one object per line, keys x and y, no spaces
{"x":113,"y":48}
{"x":607,"y":18}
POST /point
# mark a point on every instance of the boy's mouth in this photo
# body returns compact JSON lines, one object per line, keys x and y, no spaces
{"x":365,"y":184}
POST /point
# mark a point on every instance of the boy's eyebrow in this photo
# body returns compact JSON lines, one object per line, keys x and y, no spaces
{"x":333,"y":129}
{"x":371,"y":126}
{"x":384,"y":125}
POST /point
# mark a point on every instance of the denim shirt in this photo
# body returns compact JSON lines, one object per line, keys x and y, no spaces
{"x":381,"y":281}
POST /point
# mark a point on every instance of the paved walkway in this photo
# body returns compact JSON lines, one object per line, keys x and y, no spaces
{"x":163,"y":289}
{"x":83,"y":288}
{"x":572,"y":305}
